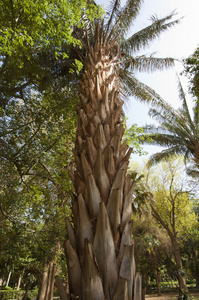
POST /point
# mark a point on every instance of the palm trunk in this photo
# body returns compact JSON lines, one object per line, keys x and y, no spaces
{"x":99,"y":249}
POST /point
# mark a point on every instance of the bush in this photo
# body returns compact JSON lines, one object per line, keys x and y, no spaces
{"x":10,"y":294}
{"x":13,"y":294}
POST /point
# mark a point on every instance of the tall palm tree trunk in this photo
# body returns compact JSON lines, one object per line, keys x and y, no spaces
{"x":99,"y":249}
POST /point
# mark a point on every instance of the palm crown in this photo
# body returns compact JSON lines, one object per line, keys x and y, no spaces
{"x":116,"y":24}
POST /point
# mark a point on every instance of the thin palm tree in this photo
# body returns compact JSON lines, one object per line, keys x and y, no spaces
{"x":178,"y":132}
{"x":99,"y":247}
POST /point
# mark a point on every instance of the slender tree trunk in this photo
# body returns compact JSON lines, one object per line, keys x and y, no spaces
{"x":178,"y":260}
{"x":47,"y":282}
{"x":19,"y":282}
{"x":197,"y":280}
{"x":25,"y":296}
{"x":51,"y":282}
{"x":61,"y":288}
{"x":144,"y":285}
{"x":99,"y":248}
{"x":8,"y":279}
{"x":175,"y":249}
{"x":43,"y":284}
{"x":155,"y":271}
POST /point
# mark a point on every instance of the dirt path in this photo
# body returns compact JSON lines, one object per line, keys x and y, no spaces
{"x":170,"y":296}
{"x":164,"y":296}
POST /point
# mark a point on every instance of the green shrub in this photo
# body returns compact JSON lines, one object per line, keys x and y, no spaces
{"x":10,"y":294}
{"x":13,"y":294}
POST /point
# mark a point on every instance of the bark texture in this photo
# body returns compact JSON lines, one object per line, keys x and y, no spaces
{"x":47,"y":282}
{"x":99,"y":248}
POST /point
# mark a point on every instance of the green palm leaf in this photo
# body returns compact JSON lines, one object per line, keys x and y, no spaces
{"x":178,"y":131}
{"x":144,"y":37}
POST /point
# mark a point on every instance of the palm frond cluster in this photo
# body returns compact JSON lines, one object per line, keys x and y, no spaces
{"x":178,"y":131}
{"x":116,"y":24}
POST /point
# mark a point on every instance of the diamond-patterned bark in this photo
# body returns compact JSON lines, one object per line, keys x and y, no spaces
{"x":100,"y":247}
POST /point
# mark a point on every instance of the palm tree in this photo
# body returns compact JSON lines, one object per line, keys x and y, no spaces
{"x":178,"y":132}
{"x":99,"y":247}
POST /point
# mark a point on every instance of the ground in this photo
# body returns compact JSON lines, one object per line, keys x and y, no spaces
{"x":170,"y":296}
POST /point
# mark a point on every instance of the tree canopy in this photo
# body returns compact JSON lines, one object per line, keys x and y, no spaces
{"x":34,"y":41}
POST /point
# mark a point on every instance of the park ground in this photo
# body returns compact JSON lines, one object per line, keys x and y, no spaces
{"x":170,"y":296}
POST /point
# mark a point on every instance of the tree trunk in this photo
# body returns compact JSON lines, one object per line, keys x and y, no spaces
{"x":144,"y":285}
{"x":51,"y":282}
{"x":181,"y":279}
{"x":99,"y":248}
{"x":8,"y":279}
{"x":43,"y":284}
{"x":25,"y":296}
{"x":19,"y":282}
{"x":197,"y":280}
{"x":155,"y":271}
{"x":61,"y":289}
{"x":47,"y":282}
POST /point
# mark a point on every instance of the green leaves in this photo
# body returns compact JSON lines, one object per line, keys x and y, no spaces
{"x":39,"y":23}
{"x":133,"y":140}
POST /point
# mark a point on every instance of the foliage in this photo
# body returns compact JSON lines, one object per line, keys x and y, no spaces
{"x":36,"y":147}
{"x":133,"y":140}
{"x":172,"y":208}
{"x":191,"y":69}
{"x":190,"y":246}
{"x":152,"y":247}
{"x":172,"y":200}
{"x":34,"y":43}
{"x":178,"y":132}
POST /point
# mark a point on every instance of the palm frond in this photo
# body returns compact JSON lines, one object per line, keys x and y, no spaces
{"x":159,"y":139}
{"x":143,"y":38}
{"x":127,"y":14}
{"x":185,"y":109}
{"x":192,"y":172}
{"x":139,"y":90}
{"x":163,"y":112}
{"x":164,"y":155}
{"x":148,"y":64}
{"x":112,"y":14}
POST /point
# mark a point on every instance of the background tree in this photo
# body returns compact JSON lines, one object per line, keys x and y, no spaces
{"x":190,"y":246}
{"x":171,"y":207}
{"x":34,"y":45}
{"x":34,"y":185}
{"x":152,"y":248}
